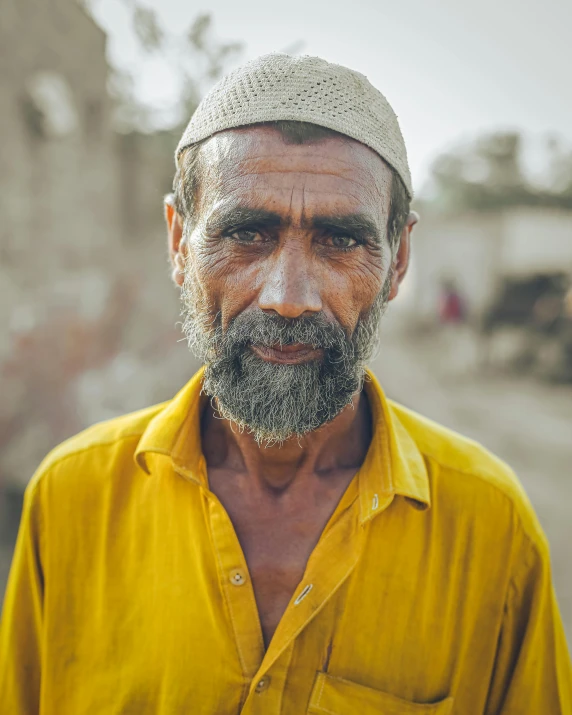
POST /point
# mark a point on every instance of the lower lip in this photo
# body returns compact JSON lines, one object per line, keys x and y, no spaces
{"x":288,"y":355}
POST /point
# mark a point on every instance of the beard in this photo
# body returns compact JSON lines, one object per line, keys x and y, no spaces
{"x":275,"y":402}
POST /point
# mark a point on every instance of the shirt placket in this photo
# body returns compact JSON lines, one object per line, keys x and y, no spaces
{"x":266,"y":691}
{"x":331,"y":563}
{"x":237,"y":588}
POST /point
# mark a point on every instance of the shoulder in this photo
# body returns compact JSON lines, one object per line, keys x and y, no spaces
{"x":97,"y":448}
{"x":468,"y":481}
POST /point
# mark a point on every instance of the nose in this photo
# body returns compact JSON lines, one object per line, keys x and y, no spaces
{"x":289,"y":288}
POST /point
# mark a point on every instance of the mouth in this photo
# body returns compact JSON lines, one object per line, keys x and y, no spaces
{"x":288,"y":354}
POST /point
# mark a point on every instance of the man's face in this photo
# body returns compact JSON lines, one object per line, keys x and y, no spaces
{"x":288,"y":268}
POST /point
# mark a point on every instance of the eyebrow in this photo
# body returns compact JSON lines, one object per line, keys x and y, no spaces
{"x":356,"y":224}
{"x":226,"y":219}
{"x":233,"y":217}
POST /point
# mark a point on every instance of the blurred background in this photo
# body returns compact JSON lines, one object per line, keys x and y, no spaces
{"x":94,"y":96}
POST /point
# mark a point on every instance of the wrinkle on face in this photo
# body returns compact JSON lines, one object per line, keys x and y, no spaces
{"x":259,"y":153}
{"x":254,"y":167}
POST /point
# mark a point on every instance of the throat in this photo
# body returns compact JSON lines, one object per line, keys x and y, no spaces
{"x":333,"y":448}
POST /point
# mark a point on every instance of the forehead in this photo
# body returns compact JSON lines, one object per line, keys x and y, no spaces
{"x":258,"y":167}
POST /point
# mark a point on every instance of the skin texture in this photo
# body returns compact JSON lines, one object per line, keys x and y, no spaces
{"x":292,"y":261}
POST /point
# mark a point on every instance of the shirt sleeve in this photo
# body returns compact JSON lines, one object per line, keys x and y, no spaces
{"x":21,"y":624}
{"x":532,"y":673}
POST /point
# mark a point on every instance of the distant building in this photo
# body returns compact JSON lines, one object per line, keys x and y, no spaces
{"x":57,"y":178}
{"x":480,"y":250}
{"x":86,"y":307}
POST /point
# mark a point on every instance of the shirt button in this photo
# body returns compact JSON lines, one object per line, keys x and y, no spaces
{"x":237,"y":577}
{"x":262,"y":684}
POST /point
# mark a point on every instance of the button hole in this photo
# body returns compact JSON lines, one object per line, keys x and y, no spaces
{"x":304,"y":593}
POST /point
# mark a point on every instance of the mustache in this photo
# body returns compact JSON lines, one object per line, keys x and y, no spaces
{"x":255,"y":327}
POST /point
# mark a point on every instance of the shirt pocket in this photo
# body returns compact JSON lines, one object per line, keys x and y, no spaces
{"x":335,"y":696}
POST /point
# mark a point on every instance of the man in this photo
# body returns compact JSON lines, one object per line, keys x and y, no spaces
{"x":280,"y":537}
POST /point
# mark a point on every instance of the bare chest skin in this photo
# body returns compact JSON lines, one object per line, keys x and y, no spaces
{"x":278,"y":532}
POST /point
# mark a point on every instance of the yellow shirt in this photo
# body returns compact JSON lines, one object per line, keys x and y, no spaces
{"x":428,"y":592}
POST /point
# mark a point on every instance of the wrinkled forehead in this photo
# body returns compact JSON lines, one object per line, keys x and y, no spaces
{"x":257,"y":165}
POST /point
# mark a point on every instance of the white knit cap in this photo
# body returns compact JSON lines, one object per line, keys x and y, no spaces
{"x":304,"y":89}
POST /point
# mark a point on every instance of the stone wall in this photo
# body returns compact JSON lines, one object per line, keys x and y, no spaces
{"x":87,"y":310}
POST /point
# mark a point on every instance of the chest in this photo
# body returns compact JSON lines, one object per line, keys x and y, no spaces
{"x":277,"y":538}
{"x":277,"y":548}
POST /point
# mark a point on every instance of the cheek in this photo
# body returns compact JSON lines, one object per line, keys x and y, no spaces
{"x":351,"y":286}
{"x":230,"y":284}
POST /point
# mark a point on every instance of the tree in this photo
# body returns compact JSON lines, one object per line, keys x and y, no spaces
{"x":489,"y":174}
{"x":194,"y":57}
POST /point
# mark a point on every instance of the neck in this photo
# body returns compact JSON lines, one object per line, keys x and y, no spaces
{"x":338,"y":445}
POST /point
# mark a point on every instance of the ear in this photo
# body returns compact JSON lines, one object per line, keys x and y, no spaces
{"x":175,"y":240}
{"x":401,"y":260}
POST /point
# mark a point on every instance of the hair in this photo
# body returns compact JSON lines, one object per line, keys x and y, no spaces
{"x":186,"y":183}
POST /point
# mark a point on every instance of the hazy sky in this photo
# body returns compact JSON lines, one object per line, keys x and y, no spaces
{"x":450,"y":68}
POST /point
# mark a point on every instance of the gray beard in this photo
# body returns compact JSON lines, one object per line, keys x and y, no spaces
{"x":275,"y":402}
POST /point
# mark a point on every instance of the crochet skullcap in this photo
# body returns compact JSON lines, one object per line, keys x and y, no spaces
{"x":304,"y":89}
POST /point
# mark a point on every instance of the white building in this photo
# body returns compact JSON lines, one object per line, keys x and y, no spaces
{"x":479,"y":250}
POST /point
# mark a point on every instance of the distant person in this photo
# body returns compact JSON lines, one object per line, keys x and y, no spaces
{"x":566,"y":335}
{"x":452,"y":310}
{"x":567,"y":304}
{"x":458,"y":341}
{"x":280,"y":538}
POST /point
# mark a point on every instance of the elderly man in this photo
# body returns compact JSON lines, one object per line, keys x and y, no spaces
{"x":280,"y":538}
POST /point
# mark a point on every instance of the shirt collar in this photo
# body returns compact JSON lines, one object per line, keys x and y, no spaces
{"x":175,"y":432}
{"x":393,"y":464}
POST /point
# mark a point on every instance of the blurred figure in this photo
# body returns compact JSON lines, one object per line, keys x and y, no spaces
{"x":564,"y":372}
{"x":452,"y":306}
{"x":457,"y":339}
{"x":524,"y":329}
{"x":568,"y":304}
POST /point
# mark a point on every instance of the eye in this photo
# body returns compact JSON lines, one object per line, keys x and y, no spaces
{"x":341,"y":241}
{"x":245,"y":235}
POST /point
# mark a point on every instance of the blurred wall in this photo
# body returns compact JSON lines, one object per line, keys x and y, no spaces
{"x":478,"y":250}
{"x":536,"y":240}
{"x":56,"y":198}
{"x":86,"y":306}
{"x":465,"y":248}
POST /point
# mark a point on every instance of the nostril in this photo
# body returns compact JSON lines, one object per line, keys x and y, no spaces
{"x":290,"y":305}
{"x":290,"y":301}
{"x":290,"y":310}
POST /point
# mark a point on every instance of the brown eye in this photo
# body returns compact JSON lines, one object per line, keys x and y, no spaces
{"x":343,"y":241}
{"x":246,"y":236}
